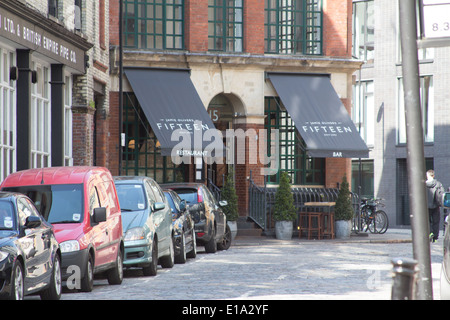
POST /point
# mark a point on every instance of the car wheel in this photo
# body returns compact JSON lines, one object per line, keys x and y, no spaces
{"x":445,"y":285}
{"x":169,"y":260}
{"x":87,"y":283}
{"x":152,"y":269}
{"x":181,"y":257}
{"x":211,"y":245}
{"x":17,"y":288}
{"x":193,"y":253}
{"x":53,"y":292}
{"x":226,"y":241}
{"x":115,"y":275}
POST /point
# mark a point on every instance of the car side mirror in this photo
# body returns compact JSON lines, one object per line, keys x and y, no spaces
{"x":223,"y":203}
{"x":99,"y":215}
{"x":32,"y":222}
{"x":446,"y":200}
{"x":159,"y":206}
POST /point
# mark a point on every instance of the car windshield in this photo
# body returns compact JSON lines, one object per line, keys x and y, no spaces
{"x":59,"y":203}
{"x":6,"y":216}
{"x":190,"y":195}
{"x":131,"y":197}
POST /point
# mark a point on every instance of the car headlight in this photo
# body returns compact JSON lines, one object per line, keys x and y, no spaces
{"x":69,"y":246}
{"x":135,"y":234}
{"x":3,"y":255}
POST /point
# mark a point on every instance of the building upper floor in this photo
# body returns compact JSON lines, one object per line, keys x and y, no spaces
{"x":274,"y":27}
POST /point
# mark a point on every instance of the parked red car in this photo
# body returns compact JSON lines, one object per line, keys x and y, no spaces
{"x":81,"y":203}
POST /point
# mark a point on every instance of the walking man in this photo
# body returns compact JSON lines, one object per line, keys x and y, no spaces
{"x":435,"y":193}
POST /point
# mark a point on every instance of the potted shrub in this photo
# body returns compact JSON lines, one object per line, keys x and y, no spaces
{"x":284,"y":209}
{"x":343,"y":211}
{"x":231,"y":209}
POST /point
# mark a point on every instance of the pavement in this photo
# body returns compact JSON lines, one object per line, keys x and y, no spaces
{"x":392,"y":235}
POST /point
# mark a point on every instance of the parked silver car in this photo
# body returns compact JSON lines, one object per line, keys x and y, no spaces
{"x":147,"y":224}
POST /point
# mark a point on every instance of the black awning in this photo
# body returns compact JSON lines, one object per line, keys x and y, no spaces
{"x":319,"y":115}
{"x":175,"y":112}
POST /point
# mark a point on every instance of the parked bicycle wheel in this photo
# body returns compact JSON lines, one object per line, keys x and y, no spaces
{"x":381,"y":222}
{"x":367,"y":220}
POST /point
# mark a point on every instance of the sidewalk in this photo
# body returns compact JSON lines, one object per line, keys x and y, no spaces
{"x":393,"y":235}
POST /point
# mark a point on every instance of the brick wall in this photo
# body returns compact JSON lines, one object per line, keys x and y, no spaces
{"x":196,"y":24}
{"x":113,"y":138}
{"x":254,"y":26}
{"x":83,"y":130}
{"x":337,"y":31}
{"x":243,"y":170}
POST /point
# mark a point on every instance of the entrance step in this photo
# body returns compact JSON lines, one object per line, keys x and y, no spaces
{"x":247,"y":228}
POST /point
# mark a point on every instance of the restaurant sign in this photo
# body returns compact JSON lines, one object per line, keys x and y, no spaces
{"x":40,"y":40}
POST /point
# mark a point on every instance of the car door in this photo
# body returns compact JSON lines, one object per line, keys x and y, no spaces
{"x":98,"y":232}
{"x":36,"y":243}
{"x":218,"y":213}
{"x":163,"y":217}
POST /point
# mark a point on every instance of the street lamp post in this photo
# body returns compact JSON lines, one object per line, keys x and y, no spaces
{"x":415,"y":149}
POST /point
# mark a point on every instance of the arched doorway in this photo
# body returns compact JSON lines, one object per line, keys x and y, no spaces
{"x":222,"y":110}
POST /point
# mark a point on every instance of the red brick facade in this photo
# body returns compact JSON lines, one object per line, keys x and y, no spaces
{"x":114,"y":137}
{"x":336,"y":43}
{"x":83,"y":136}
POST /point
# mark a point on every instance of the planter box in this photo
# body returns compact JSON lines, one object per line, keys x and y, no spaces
{"x":343,"y":229}
{"x":284,"y":230}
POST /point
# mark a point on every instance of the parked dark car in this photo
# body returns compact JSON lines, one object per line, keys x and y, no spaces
{"x":183,"y":226}
{"x":147,"y":224}
{"x":211,"y":227}
{"x":30,"y":259}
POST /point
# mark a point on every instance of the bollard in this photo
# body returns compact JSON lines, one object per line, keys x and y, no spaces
{"x":403,"y":278}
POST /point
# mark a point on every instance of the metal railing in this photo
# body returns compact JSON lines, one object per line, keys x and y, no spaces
{"x":262,"y":201}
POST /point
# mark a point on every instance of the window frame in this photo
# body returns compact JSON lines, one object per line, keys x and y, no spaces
{"x":366,"y":52}
{"x":142,"y":155}
{"x":427,"y":114}
{"x":292,"y":156}
{"x":223,"y":16}
{"x":8,"y":115}
{"x":285,"y":34}
{"x":156,"y":20}
{"x":41,"y":117}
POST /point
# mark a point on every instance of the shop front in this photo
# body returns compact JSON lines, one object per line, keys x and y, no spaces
{"x":267,"y":120}
{"x":39,"y":58}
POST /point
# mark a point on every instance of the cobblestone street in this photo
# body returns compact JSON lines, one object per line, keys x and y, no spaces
{"x":265,"y":268}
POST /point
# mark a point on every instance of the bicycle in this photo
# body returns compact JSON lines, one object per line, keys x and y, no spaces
{"x":372,"y":219}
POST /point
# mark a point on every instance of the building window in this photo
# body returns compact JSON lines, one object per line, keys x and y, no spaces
{"x":292,"y":156}
{"x":77,"y":15}
{"x":427,"y":107}
{"x":363,"y":111}
{"x":154,"y":24}
{"x":363,"y":175}
{"x":142,"y":154}
{"x":424,"y":54}
{"x":53,"y":8}
{"x":7,"y":115}
{"x":363,"y":30}
{"x":293,"y":27}
{"x":68,"y":157}
{"x":40,"y":118}
{"x":225,"y":25}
